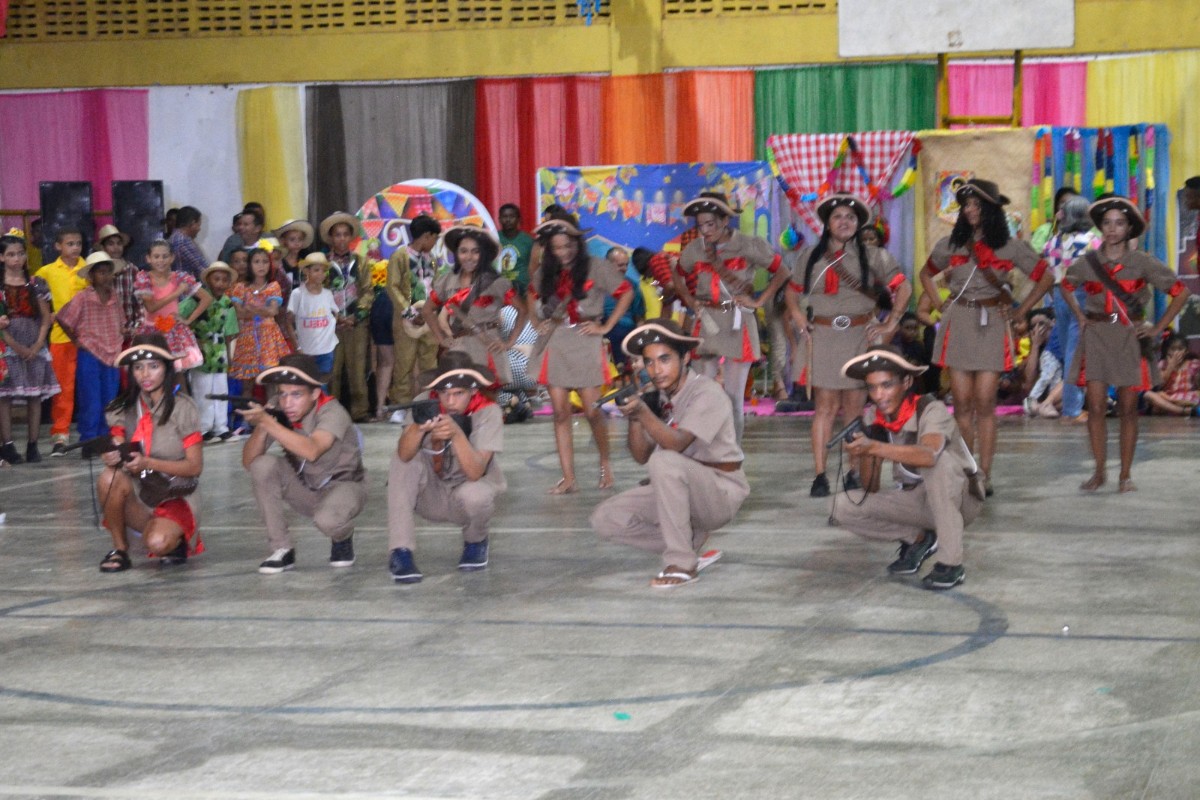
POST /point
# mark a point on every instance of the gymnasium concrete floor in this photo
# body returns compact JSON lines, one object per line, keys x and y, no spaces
{"x":1065,"y":667}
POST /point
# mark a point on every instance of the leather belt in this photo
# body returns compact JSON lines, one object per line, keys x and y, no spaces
{"x":724,"y":466}
{"x":843,"y":321}
{"x":1097,"y":316}
{"x":990,"y":302}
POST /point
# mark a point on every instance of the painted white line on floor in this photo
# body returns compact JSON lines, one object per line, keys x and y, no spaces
{"x":11,"y":486}
{"x":195,"y":794}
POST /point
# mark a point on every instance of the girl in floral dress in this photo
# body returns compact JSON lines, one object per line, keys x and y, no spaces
{"x":26,"y":360}
{"x":257,"y":302}
{"x":160,"y":290}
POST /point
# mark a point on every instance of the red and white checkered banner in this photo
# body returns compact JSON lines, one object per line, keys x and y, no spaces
{"x":802,"y":163}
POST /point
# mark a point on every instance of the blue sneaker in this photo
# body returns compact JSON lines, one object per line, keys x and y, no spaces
{"x":474,"y":556}
{"x":402,"y":566}
{"x":341,"y":554}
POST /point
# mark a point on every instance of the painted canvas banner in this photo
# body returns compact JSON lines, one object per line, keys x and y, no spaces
{"x":641,"y":205}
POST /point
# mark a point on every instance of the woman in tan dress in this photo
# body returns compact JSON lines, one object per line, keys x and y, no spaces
{"x":569,"y":294}
{"x":722,"y":264}
{"x":1112,"y":324}
{"x":473,"y":294}
{"x":842,"y":279}
{"x":974,"y":339}
{"x":152,"y":488}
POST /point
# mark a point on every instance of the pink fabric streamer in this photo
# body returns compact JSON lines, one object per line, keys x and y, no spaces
{"x":97,"y":135}
{"x":1054,"y":93}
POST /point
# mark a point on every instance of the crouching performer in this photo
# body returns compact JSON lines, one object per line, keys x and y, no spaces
{"x":938,"y":487}
{"x":683,"y":431}
{"x":320,"y":473}
{"x":445,"y":466}
{"x":153,"y":459}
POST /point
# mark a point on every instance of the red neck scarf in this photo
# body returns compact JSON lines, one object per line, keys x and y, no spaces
{"x":907,"y":408}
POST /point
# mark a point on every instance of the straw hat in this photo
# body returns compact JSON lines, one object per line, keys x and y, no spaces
{"x":100,"y":257}
{"x":111,"y":230}
{"x":302,"y":225}
{"x":339,"y":218}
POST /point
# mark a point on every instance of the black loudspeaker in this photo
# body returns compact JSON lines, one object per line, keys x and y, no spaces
{"x":65,"y":204}
{"x":138,"y":211}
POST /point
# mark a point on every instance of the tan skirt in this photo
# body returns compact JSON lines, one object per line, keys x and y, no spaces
{"x":964,"y":344}
{"x":572,"y":360}
{"x":831,"y":348}
{"x":1109,"y":352}
{"x":739,"y":344}
{"x":475,"y":345}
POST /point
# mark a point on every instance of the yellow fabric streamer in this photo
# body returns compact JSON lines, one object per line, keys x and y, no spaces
{"x":1152,"y":88}
{"x":271,"y":134}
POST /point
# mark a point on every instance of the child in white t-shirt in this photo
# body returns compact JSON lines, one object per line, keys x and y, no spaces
{"x":312,"y":312}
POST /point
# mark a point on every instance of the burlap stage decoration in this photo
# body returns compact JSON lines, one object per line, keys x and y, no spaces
{"x":1003,"y":156}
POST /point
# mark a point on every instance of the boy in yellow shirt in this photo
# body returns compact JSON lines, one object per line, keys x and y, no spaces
{"x":61,"y":275}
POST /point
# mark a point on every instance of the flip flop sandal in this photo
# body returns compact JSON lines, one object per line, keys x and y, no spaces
{"x":115,"y":561}
{"x":673,"y":577}
{"x":707,"y":559}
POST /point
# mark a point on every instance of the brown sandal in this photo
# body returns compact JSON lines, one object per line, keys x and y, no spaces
{"x":672,"y":577}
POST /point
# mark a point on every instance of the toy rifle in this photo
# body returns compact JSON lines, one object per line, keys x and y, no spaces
{"x":243,"y":402}
{"x":104,"y":444}
{"x":428,"y":410}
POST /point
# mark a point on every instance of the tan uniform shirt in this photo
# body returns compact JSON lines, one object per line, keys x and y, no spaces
{"x":702,"y":409}
{"x":830,"y":293}
{"x":740,"y":256}
{"x":935,"y":419}
{"x":343,"y":460}
{"x":1135,"y":271}
{"x":964,"y":280}
{"x":604,"y":279}
{"x":487,"y":433}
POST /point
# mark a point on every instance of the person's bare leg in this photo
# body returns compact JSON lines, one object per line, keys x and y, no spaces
{"x":1097,"y":402}
{"x":161,"y":536}
{"x":986,"y":385}
{"x":825,"y":404}
{"x":962,"y":387}
{"x":33,"y":413}
{"x":1160,"y":401}
{"x":595,"y":418}
{"x":1127,"y":412}
{"x":560,"y":400}
{"x":385,"y":360}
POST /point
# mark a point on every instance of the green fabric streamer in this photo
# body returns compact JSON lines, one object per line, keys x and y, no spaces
{"x":844,"y":99}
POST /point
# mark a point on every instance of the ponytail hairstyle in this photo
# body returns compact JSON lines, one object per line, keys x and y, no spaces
{"x":820,"y":249}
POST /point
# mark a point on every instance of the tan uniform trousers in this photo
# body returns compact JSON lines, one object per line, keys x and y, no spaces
{"x":332,"y":508}
{"x":684,"y":503}
{"x":351,"y":355}
{"x":421,"y":353}
{"x":941,"y":502}
{"x":414,"y":489}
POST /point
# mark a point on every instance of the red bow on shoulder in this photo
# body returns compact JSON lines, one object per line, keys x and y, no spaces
{"x":986,"y":259}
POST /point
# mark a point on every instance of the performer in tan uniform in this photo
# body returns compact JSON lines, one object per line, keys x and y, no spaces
{"x":155,"y":488}
{"x":320,"y":473}
{"x":1112,"y":324}
{"x":568,"y":296}
{"x":350,"y":281}
{"x":932,"y":499}
{"x":446,"y":473}
{"x":723,"y":262}
{"x":690,"y":448}
{"x":410,"y":275}
{"x":843,"y":280}
{"x":974,"y":339}
{"x":474,"y":294}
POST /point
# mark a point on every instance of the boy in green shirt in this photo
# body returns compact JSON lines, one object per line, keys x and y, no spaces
{"x":216,"y":330}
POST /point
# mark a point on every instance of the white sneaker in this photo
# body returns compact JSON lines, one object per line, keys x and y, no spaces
{"x":1031,"y":407}
{"x":281,"y":560}
{"x":398,"y":417}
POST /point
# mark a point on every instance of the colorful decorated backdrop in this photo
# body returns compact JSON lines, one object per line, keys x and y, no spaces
{"x":641,"y":205}
{"x":386,"y":215}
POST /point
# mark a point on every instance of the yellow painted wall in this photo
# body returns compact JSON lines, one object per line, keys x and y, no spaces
{"x":635,"y":37}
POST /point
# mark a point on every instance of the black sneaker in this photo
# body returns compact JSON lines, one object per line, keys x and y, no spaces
{"x":225,"y":437}
{"x":59,"y":450}
{"x":820,"y":486}
{"x":474,"y":556}
{"x":8,"y":452}
{"x":912,"y":556}
{"x":280,"y":561}
{"x":851,"y":481}
{"x":177,"y":556}
{"x":208,"y":436}
{"x":32,"y":456}
{"x":86,"y":454}
{"x":341,"y":554}
{"x":403,"y":567}
{"x":945,"y":577}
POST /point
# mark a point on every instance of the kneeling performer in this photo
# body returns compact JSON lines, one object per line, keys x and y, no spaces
{"x":689,"y":444}
{"x":939,"y":488}
{"x":320,"y":473}
{"x":444,"y":467}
